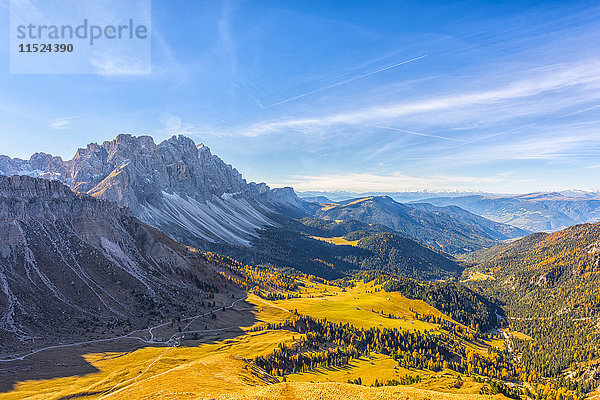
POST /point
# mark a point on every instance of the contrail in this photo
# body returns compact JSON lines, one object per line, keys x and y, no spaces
{"x":346,"y":81}
{"x":416,"y":133}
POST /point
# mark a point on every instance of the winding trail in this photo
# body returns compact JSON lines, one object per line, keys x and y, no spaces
{"x":111,"y":391}
{"x":129,"y":336}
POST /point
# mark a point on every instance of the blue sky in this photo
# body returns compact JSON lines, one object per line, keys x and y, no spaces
{"x":357,"y":96}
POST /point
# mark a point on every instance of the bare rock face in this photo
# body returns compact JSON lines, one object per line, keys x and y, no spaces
{"x":39,"y":165}
{"x":176,"y":185}
{"x":72,"y":265}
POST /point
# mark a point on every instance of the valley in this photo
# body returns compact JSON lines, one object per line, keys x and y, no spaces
{"x":192,"y":283}
{"x":138,"y":370}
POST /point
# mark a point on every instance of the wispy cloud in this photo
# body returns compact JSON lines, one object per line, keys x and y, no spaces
{"x":227,"y":39}
{"x":167,"y":63}
{"x":530,"y":83}
{"x":60,"y":123}
{"x":529,"y":125}
{"x":111,"y":64}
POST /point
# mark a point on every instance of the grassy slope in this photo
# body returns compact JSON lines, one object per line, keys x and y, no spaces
{"x":377,"y":366}
{"x":356,"y":304}
{"x":337,"y":391}
{"x":339,"y":240}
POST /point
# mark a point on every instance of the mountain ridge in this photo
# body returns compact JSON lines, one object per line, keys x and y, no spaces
{"x":176,"y":185}
{"x":451,"y":230}
{"x":539,"y":211}
{"x":549,"y":285}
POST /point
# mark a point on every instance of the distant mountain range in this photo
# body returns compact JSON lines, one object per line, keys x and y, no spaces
{"x":449,"y":229}
{"x":334,"y":239}
{"x":73,"y":266}
{"x":536,"y":212}
{"x":402,"y":197}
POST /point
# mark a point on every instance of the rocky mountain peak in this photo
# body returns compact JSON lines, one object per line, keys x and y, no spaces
{"x":176,"y":185}
{"x":44,"y":161}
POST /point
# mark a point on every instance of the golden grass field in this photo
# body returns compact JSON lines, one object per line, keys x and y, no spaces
{"x":520,"y":335}
{"x":217,"y":366}
{"x":338,"y":240}
{"x":360,"y":306}
{"x":478,"y":276}
{"x":337,"y":391}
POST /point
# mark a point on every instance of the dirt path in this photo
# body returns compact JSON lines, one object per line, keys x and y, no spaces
{"x":129,"y":336}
